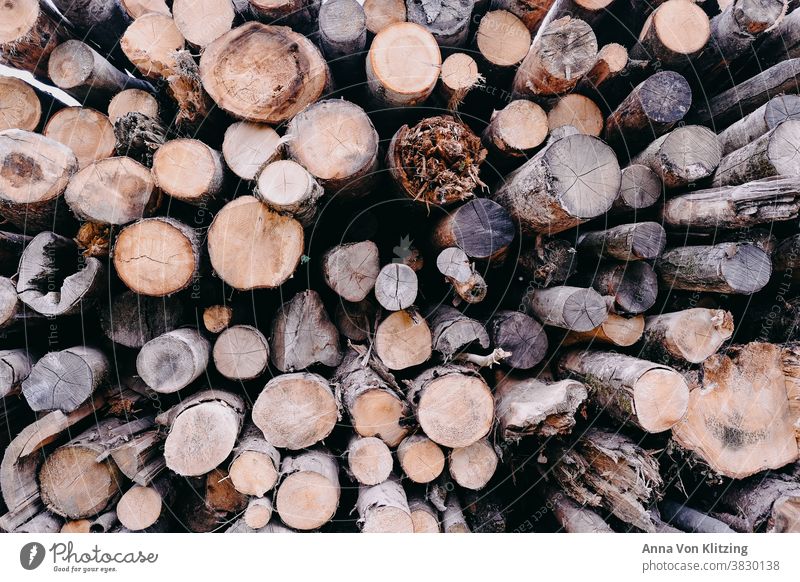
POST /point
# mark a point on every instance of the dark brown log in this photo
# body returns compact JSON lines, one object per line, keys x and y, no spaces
{"x":692,"y":335}
{"x":762,"y":503}
{"x":549,"y":261}
{"x":28,"y":36}
{"x":673,"y":34}
{"x":448,"y":21}
{"x":683,"y":156}
{"x":300,"y":421}
{"x":172,"y":361}
{"x":772,"y":154}
{"x":65,"y":380}
{"x":190,"y":171}
{"x":403,"y":339}
{"x":133,"y":320}
{"x":351,"y":269}
{"x":209,"y":502}
{"x":633,"y":285}
{"x":302,"y":335}
{"x":724,"y":268}
{"x":761,"y":121}
{"x":522,"y":336}
{"x":628,"y":242}
{"x":453,"y":332}
{"x":308,"y":494}
{"x":573,"y":308}
{"x":11,"y":246}
{"x":516,"y":130}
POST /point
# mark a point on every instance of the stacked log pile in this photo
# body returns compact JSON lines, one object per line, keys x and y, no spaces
{"x":400,"y":266}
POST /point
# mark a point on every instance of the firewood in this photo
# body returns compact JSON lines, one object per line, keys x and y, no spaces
{"x":35,"y":173}
{"x":573,"y":308}
{"x":520,"y":335}
{"x":241,"y":352}
{"x":650,"y":396}
{"x":104,"y":523}
{"x":157,"y":256}
{"x":468,"y":284}
{"x":140,"y":459}
{"x":532,"y":13}
{"x":115,"y":191}
{"x":356,"y":321}
{"x":139,"y":136}
{"x":64,"y":380}
{"x":640,"y":188}
{"x":20,"y":105}
{"x":172,"y":361}
{"x":459,"y":75}
{"x":396,"y":287}
{"x":246,"y":257}
{"x":189,"y":171}
{"x":633,"y":286}
{"x":608,"y":470}
{"x":772,"y":154}
{"x":300,"y":421}
{"x":258,"y":512}
{"x":217,"y":318}
{"x":421,"y":459}
{"x":288,"y":188}
{"x":449,"y":23}
{"x":100,"y":21}
{"x":342,"y":32}
{"x":287,"y":81}
{"x":548,"y":261}
{"x":502,"y":41}
{"x":203,"y":22}
{"x":452,"y":404}
{"x":516,"y":130}
{"x":578,"y":111}
{"x":369,"y":460}
{"x":351,"y":269}
{"x":374,"y":407}
{"x":763,"y":503}
{"x":88,"y":133}
{"x":403,"y":339}
{"x":137,"y":8}
{"x":611,"y":61}
{"x":248,"y":147}
{"x":761,"y":121}
{"x":683,"y":156}
{"x":141,"y":508}
{"x":15,"y":367}
{"x":255,"y":464}
{"x":132,"y":100}
{"x":303,"y":334}
{"x":209,"y":502}
{"x":734,"y":437}
{"x":308,"y":494}
{"x":53,"y":279}
{"x":691,"y":520}
{"x":617,"y":330}
{"x":472,"y":467}
{"x":384,"y":508}
{"x":14,"y":315}
{"x":628,"y":242}
{"x":453,"y":331}
{"x":481,"y":228}
{"x":132,"y":320}
{"x":202,"y":431}
{"x":295,"y":13}
{"x":676,"y":31}
{"x":762,"y":201}
{"x":575,"y":518}
{"x":424,"y":516}
{"x":560,"y":55}
{"x":453,"y":520}
{"x":151,"y":42}
{"x":724,"y":268}
{"x":570,"y":181}
{"x":526,"y":406}
{"x":408,"y":81}
{"x":28,"y":36}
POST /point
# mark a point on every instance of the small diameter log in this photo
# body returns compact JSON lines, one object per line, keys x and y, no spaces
{"x":34,"y":171}
{"x":649,"y":111}
{"x":468,"y":284}
{"x":189,"y":171}
{"x":258,"y":512}
{"x":342,"y":31}
{"x":288,"y":188}
{"x":295,"y":411}
{"x":738,"y":420}
{"x":516,"y":130}
{"x":104,"y":523}
{"x":217,"y":318}
{"x":577,"y":111}
{"x":249,"y":257}
{"x":548,"y":261}
{"x":502,"y":41}
{"x":54,"y":279}
{"x":575,"y":518}
{"x":764,"y":201}
{"x":529,"y":407}
{"x":15,"y":367}
{"x":140,"y":508}
{"x":408,"y":81}
{"x":558,"y":58}
{"x":249,"y":73}
{"x":683,"y":156}
{"x":383,"y":13}
{"x":472,"y":467}
{"x":481,"y":228}
{"x":403,"y":340}
{"x":201,"y":22}
{"x":157,"y":256}
{"x":772,"y":154}
{"x":420,"y":458}
{"x":255,"y":465}
{"x":20,"y":107}
{"x":633,"y":285}
{"x":628,"y":242}
{"x":520,"y":335}
{"x":453,"y":405}
{"x":114,"y":191}
{"x":572,"y":180}
{"x":308,"y":494}
{"x":302,"y":334}
{"x":88,"y":133}
{"x":241,"y":352}
{"x":202,"y":431}
{"x":739,"y":268}
{"x":396,"y":287}
{"x":27,"y":36}
{"x":674,"y":33}
{"x":436,"y":161}
{"x":573,"y":308}
{"x":79,"y":70}
{"x":531,"y":12}
{"x":369,"y":460}
{"x":356,"y":321}
{"x":337,"y":143}
{"x":384,"y":508}
{"x":64,"y":380}
{"x":248,"y":147}
{"x":617,"y":330}
{"x":690,"y":520}
{"x":453,"y":520}
{"x":640,"y":188}
{"x":611,"y":62}
{"x":423,"y":515}
{"x":373,"y":406}
{"x":151,"y":43}
{"x":459,"y":75}
{"x":449,"y":22}
{"x":132,"y":320}
{"x":650,"y":396}
{"x":133,"y":100}
{"x":453,"y":332}
{"x":173,"y":360}
{"x":761,"y":121}
{"x":729,"y":106}
{"x":351,"y":269}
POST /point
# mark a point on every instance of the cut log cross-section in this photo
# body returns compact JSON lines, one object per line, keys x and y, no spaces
{"x":241,"y":352}
{"x":676,"y":31}
{"x":403,"y":339}
{"x":351,"y":269}
{"x":683,"y":156}
{"x":573,"y":308}
{"x":288,"y":188}
{"x":369,"y":460}
{"x":28,"y":35}
{"x":691,"y":335}
{"x":421,"y":459}
{"x":384,"y":508}
{"x":516,"y":130}
{"x":255,"y":463}
{"x":88,"y":133}
{"x":308,"y":494}
{"x":189,"y":171}
{"x":521,"y":336}
{"x":173,"y":360}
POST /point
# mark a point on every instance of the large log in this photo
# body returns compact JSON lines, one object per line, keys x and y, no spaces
{"x":188,"y":170}
{"x":502,"y":41}
{"x":762,"y":120}
{"x":20,"y":105}
{"x":247,"y":147}
{"x":351,"y":269}
{"x":673,"y":34}
{"x":473,"y":466}
{"x":65,"y":380}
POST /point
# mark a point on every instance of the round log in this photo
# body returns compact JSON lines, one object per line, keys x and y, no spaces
{"x":384,"y":508}
{"x":287,"y":187}
{"x":640,"y":188}
{"x":633,"y":285}
{"x":28,"y":36}
{"x":369,"y":460}
{"x":458,"y":76}
{"x":173,"y":360}
{"x":691,"y":335}
{"x":201,"y":22}
{"x":454,"y":331}
{"x":481,"y":228}
{"x":573,"y":308}
{"x":772,"y":154}
{"x":342,"y":30}
{"x":308,"y":494}
{"x":396,"y":287}
{"x":502,"y":40}
{"x":578,"y":111}
{"x":383,"y":13}
{"x":420,"y":458}
{"x":20,"y":107}
{"x":472,"y":467}
{"x":351,"y":269}
{"x":216,"y":318}
{"x":522,"y":336}
{"x":516,"y":130}
{"x":676,"y":31}
{"x":139,"y":508}
{"x":151,"y":43}
{"x":132,"y":100}
{"x":617,"y":330}
{"x":683,"y":156}
{"x":403,"y":340}
{"x":449,"y":23}
{"x":762,"y":120}
{"x":424,"y":516}
{"x":258,"y":512}
{"x":248,"y":147}
{"x":627,"y":242}
{"x":88,"y":133}
{"x":255,"y":465}
{"x":241,"y":352}
{"x":132,"y":320}
{"x":64,"y":380}
{"x":189,"y":171}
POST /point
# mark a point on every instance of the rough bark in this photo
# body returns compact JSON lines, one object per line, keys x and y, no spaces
{"x":683,"y":156}
{"x":573,"y":308}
